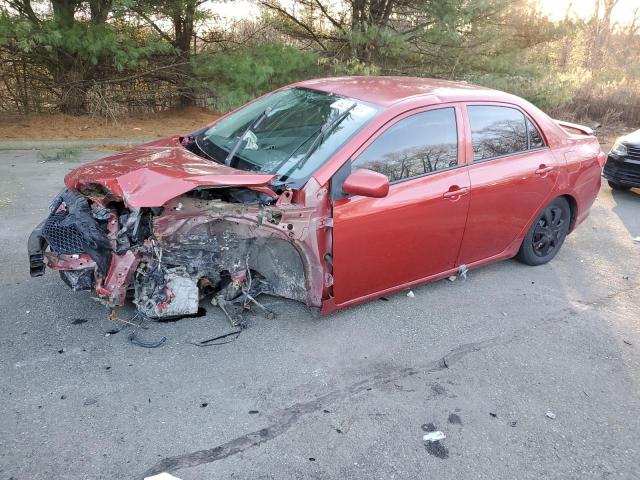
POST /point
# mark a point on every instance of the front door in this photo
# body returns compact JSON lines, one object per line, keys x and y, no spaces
{"x":416,"y":230}
{"x":512,"y":176}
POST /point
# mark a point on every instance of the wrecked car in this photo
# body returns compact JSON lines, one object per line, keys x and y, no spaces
{"x":330,"y":192}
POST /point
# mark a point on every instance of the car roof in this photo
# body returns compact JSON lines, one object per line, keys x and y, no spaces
{"x":386,"y":91}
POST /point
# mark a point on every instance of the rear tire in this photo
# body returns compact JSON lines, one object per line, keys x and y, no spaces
{"x":546,"y":234}
{"x":617,"y":186}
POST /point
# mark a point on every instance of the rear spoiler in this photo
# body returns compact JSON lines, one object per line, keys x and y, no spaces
{"x":574,"y":126}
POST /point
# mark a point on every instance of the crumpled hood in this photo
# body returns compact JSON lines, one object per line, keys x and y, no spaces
{"x":151,"y":174}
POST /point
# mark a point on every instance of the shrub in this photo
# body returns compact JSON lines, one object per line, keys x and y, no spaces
{"x":235,"y":77}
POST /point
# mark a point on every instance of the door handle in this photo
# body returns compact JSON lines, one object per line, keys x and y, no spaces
{"x":454,"y":192}
{"x":543,"y":169}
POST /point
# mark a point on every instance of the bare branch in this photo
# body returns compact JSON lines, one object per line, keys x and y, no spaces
{"x":308,"y":29}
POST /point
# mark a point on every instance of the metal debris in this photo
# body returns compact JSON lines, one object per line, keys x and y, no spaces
{"x":227,"y":337}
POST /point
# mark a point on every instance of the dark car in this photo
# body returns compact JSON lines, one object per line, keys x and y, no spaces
{"x":622,"y":169}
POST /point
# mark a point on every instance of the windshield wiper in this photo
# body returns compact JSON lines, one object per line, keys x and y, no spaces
{"x":195,"y":141}
{"x":255,"y":124}
{"x":320,"y":133}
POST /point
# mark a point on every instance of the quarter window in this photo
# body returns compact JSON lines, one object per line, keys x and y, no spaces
{"x":535,"y":139}
{"x":496,"y":131}
{"x":414,"y":146}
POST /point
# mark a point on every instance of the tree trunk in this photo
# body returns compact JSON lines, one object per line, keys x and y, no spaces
{"x":366,"y":14}
{"x":183,"y":25}
{"x":74,"y":94}
{"x":69,"y":71}
{"x":186,"y":93}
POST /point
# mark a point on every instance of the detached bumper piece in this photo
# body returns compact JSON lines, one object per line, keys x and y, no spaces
{"x":623,"y":170}
{"x":35,"y":247}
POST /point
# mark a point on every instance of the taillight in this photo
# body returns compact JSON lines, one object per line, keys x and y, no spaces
{"x":601,"y":158}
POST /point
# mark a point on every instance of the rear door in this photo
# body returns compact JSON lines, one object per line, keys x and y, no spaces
{"x":416,"y":230}
{"x":512,"y":175}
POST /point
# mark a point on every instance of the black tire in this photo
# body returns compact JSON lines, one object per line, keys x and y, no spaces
{"x":547,"y":233}
{"x":617,"y":186}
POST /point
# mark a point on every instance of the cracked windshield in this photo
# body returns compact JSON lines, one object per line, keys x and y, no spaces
{"x":289,"y":133}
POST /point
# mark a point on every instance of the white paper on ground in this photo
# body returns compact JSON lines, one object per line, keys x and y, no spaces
{"x":162,"y":476}
{"x":434,"y":436}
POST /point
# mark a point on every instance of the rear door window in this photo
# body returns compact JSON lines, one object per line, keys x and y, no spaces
{"x":416,"y":145}
{"x":497,"y":131}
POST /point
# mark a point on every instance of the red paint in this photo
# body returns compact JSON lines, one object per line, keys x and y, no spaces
{"x":419,"y":230}
{"x":367,"y":183}
{"x":411,"y":234}
{"x":115,"y":283}
{"x":154,"y":173}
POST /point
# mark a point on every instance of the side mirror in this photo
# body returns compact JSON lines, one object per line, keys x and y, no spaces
{"x":366,"y":183}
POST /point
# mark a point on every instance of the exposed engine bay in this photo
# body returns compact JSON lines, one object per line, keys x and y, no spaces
{"x":233,"y":244}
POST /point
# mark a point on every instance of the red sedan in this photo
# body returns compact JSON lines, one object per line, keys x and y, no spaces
{"x":330,"y":191}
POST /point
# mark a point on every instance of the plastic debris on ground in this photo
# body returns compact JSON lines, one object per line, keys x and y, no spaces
{"x":410,"y":294}
{"x":550,"y":414}
{"x":434,"y":436}
{"x":462,"y":272}
{"x":134,"y":339}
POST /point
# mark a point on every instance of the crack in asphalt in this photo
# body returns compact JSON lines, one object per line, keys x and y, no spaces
{"x":604,"y":300}
{"x":290,"y":415}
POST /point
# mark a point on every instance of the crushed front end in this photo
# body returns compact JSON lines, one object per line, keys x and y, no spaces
{"x":232,"y":244}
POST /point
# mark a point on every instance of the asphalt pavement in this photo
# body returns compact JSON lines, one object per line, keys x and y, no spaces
{"x":487,"y":361}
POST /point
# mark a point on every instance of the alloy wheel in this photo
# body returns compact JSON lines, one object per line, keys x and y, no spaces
{"x":549,"y":232}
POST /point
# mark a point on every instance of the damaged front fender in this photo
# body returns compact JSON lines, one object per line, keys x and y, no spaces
{"x":232,"y":245}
